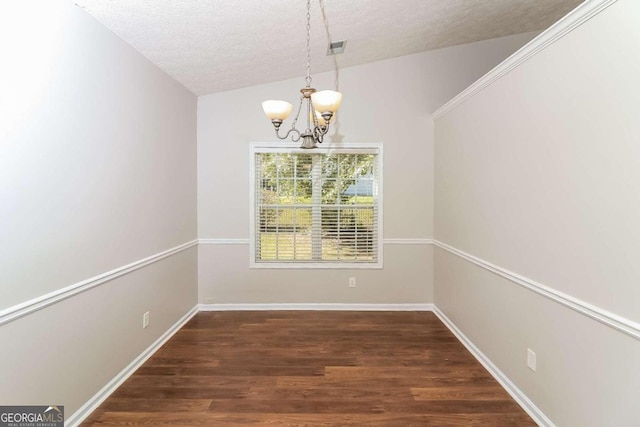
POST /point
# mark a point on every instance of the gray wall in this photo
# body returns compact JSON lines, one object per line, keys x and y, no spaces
{"x":538,"y":174}
{"x":97,"y":170}
{"x":388,"y":101}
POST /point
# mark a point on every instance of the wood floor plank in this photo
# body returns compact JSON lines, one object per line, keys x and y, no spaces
{"x":489,"y":391}
{"x":290,"y":420}
{"x":147,"y":404}
{"x":408,"y":382}
{"x":168,"y":393}
{"x":311,"y":368}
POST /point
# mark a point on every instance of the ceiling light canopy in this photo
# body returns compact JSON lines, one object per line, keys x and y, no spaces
{"x":320,"y":106}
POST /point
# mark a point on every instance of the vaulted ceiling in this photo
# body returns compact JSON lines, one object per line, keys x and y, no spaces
{"x":218,"y":45}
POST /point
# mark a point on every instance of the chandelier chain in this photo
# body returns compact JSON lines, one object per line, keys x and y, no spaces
{"x":308,"y":78}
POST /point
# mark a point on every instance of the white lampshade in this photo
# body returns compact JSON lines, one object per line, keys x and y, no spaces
{"x":326,"y":100}
{"x":277,"y":109}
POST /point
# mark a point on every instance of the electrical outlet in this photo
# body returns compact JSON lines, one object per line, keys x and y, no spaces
{"x":352,"y":282}
{"x":531,"y":359}
{"x":145,"y":320}
{"x":208,"y":300}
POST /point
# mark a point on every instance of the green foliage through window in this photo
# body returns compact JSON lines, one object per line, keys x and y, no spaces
{"x":316,"y":207}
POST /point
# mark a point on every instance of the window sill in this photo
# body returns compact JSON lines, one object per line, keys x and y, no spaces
{"x":317,"y":265}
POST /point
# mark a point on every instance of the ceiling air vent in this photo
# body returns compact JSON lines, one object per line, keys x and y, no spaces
{"x":336,"y":47}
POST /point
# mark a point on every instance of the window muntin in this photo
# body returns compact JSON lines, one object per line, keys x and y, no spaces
{"x":316,"y":208}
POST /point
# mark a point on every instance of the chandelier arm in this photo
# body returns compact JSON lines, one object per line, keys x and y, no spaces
{"x":317,"y":135}
{"x":289,"y":132}
{"x":295,"y":121}
{"x":323,"y":130}
{"x":313,"y":113}
{"x":320,"y":131}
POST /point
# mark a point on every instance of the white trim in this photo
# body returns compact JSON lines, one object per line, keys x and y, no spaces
{"x":518,"y":395}
{"x":376,"y":148}
{"x":93,"y":403}
{"x":289,"y":147}
{"x":252,"y":201}
{"x":605,"y":317}
{"x":223,"y":241}
{"x":391,"y":241}
{"x":316,"y":265}
{"x":407,"y":241}
{"x":316,"y":307}
{"x":568,"y":23}
{"x":612,"y":320}
{"x":14,"y":312}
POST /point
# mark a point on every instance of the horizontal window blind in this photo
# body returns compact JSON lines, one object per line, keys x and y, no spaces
{"x":316,"y":207}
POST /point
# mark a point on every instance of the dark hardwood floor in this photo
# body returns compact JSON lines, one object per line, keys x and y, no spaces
{"x":311,"y":368}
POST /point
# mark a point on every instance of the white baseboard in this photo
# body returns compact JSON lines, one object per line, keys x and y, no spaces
{"x":92,"y":404}
{"x":518,"y":395}
{"x":322,"y":307}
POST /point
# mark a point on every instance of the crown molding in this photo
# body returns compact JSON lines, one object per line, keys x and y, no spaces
{"x":568,"y":23}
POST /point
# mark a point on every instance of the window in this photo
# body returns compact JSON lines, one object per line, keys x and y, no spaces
{"x":316,"y":208}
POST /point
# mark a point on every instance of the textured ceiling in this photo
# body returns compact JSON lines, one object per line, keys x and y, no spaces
{"x":217,"y":45}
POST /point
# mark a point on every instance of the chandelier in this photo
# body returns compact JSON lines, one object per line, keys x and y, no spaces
{"x":320,"y":106}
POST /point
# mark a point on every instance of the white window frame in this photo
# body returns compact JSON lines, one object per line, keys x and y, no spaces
{"x":327,"y":148}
